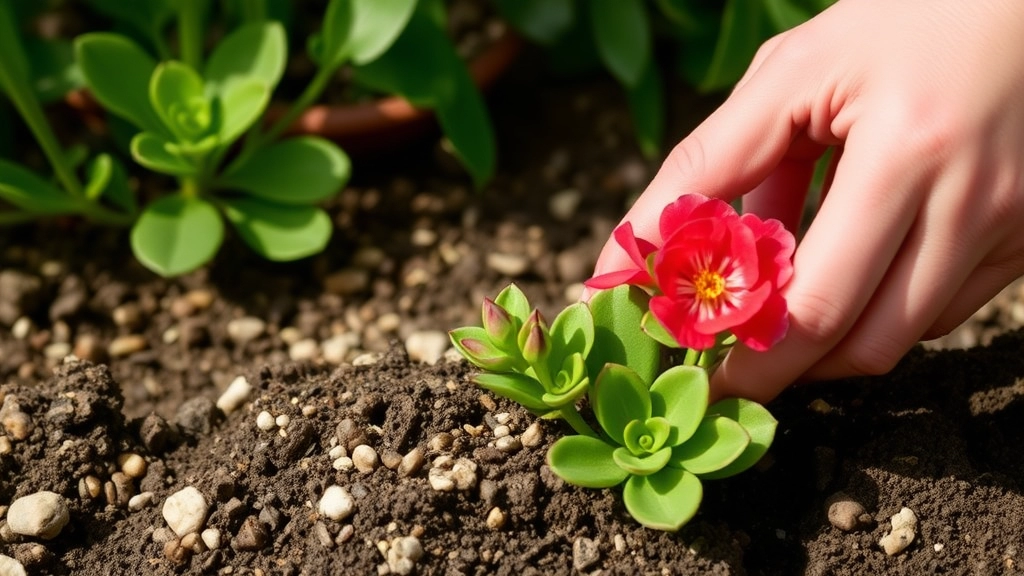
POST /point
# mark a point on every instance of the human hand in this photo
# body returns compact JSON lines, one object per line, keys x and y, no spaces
{"x":921,"y":221}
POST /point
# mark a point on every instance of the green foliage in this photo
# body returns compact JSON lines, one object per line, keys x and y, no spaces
{"x":657,"y":436}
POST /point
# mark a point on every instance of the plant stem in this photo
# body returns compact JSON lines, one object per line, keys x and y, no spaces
{"x":570,"y":415}
{"x":14,"y":79}
{"x":691,"y":358}
{"x":189,"y":186}
{"x":190,"y":33}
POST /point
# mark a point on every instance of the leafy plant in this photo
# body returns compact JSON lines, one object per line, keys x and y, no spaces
{"x":715,"y":42}
{"x":621,"y":354}
{"x":200,"y":119}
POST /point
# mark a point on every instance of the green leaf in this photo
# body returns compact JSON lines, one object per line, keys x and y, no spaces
{"x":117,"y":190}
{"x":99,"y":173}
{"x":585,"y":461}
{"x":255,"y":51}
{"x":641,"y":465}
{"x":623,"y":37}
{"x":279,"y":232}
{"x":665,"y":500}
{"x":176,"y":91}
{"x":362,"y":29}
{"x":647,"y":436}
{"x":514,"y":301}
{"x":26,"y":190}
{"x":618,"y":397}
{"x":154,"y":153}
{"x":117,"y":72}
{"x":743,"y":29}
{"x":758,"y":423}
{"x":518,"y":388}
{"x":650,"y":325}
{"x":647,"y":109}
{"x":476,"y":347}
{"x":618,"y":337}
{"x":717,"y":443}
{"x":147,"y":18}
{"x":177,"y":234}
{"x":542,"y":21}
{"x":567,"y":395}
{"x":239,"y":106}
{"x":301,"y":170}
{"x":680,"y":395}
{"x":467,"y":126}
{"x":572,"y":332}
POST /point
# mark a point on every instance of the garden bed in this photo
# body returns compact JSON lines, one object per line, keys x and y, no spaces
{"x":326,"y":344}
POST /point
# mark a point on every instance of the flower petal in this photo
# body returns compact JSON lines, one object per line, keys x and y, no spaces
{"x":767,"y":327}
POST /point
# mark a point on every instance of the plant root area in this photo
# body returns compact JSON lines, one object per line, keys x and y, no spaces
{"x":315,"y":410}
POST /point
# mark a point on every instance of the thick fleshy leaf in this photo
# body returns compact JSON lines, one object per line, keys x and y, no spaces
{"x":476,"y":347}
{"x":618,"y":337}
{"x":759,"y":424}
{"x":154,"y":153}
{"x":362,"y":29}
{"x":26,"y":190}
{"x":239,"y":106}
{"x":623,"y":37}
{"x":514,"y":301}
{"x":176,"y":91}
{"x":255,"y":51}
{"x":717,"y":443}
{"x":641,"y":465}
{"x":117,"y":72}
{"x":647,"y":436}
{"x":467,"y":125}
{"x":680,"y":395}
{"x":177,"y":234}
{"x":745,"y":25}
{"x":518,"y":388}
{"x":500,"y":326}
{"x":585,"y":461}
{"x":665,"y":500}
{"x":572,"y":332}
{"x":301,"y":170}
{"x":566,"y":396}
{"x":279,"y":232}
{"x":618,"y":397}
{"x":655,"y":330}
{"x":107,"y":179}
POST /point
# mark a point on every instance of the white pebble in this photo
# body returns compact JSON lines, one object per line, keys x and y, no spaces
{"x":403,"y":553}
{"x":336,"y":348}
{"x":235,"y":395}
{"x":140,"y":501}
{"x":427,"y":346}
{"x":132,"y":464}
{"x":265,"y":421}
{"x":40,"y":515}
{"x":365,"y":458}
{"x":904,"y":529}
{"x":211,"y":537}
{"x":305,"y":349}
{"x":563,"y":205}
{"x":501,"y":430}
{"x":185,"y":511}
{"x":242,"y":330}
{"x":283,"y":421}
{"x":22,"y":327}
{"x":11,"y":567}
{"x":343,"y":463}
{"x":532,"y":436}
{"x":495,"y":518}
{"x":336,"y":503}
{"x":337,"y":452}
{"x":367,"y":359}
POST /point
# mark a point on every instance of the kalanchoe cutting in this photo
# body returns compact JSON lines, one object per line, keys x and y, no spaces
{"x":715,"y":279}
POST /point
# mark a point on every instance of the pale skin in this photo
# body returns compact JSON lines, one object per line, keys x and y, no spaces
{"x":923,"y":217}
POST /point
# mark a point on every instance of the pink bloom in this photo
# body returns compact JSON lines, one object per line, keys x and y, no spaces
{"x":638,"y":250}
{"x":719,"y":271}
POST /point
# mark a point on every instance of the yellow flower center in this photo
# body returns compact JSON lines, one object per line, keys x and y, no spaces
{"x":708,"y":285}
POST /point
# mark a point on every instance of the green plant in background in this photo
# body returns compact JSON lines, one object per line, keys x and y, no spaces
{"x":715,"y":42}
{"x":199,"y":119}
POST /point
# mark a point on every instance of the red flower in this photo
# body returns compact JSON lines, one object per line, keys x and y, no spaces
{"x":716,"y":271}
{"x":720,"y":271}
{"x":638,"y":250}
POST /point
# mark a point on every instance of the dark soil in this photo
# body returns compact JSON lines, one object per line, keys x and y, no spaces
{"x":414,"y":253}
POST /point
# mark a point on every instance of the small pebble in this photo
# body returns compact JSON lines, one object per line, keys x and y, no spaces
{"x":185,"y":511}
{"x":211,"y":537}
{"x":411,"y":462}
{"x":585,"y":553}
{"x":427,"y":346}
{"x":495,"y":518}
{"x":283,"y":420}
{"x":132,"y":464}
{"x":336,"y":503}
{"x":126,"y":345}
{"x":343,"y":463}
{"x":501,"y":430}
{"x":304,"y":350}
{"x":508,"y":444}
{"x":234,"y":395}
{"x":11,"y":567}
{"x":253,"y":535}
{"x":846,"y":513}
{"x":904,"y":529}
{"x":265,"y":421}
{"x":403,"y":553}
{"x":40,"y":515}
{"x":448,"y":474}
{"x":533,"y":436}
{"x":508,"y":264}
{"x":245,"y":329}
{"x":337,"y":452}
{"x":365,"y":458}
{"x":391,"y":459}
{"x":140,"y":501}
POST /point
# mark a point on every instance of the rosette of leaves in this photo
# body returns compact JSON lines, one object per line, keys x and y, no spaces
{"x":661,"y":441}
{"x":541,"y":367}
{"x":187,"y":120}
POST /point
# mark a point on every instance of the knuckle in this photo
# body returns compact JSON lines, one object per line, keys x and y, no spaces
{"x":817,"y":318}
{"x":873,"y":354}
{"x":688,"y":157}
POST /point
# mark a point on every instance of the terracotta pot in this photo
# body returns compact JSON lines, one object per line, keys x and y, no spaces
{"x":391,"y":122}
{"x":366,"y":127}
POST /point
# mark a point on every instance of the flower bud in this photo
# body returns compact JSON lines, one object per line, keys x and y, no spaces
{"x":534,"y":340}
{"x":498,"y":323}
{"x":484,"y":355}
